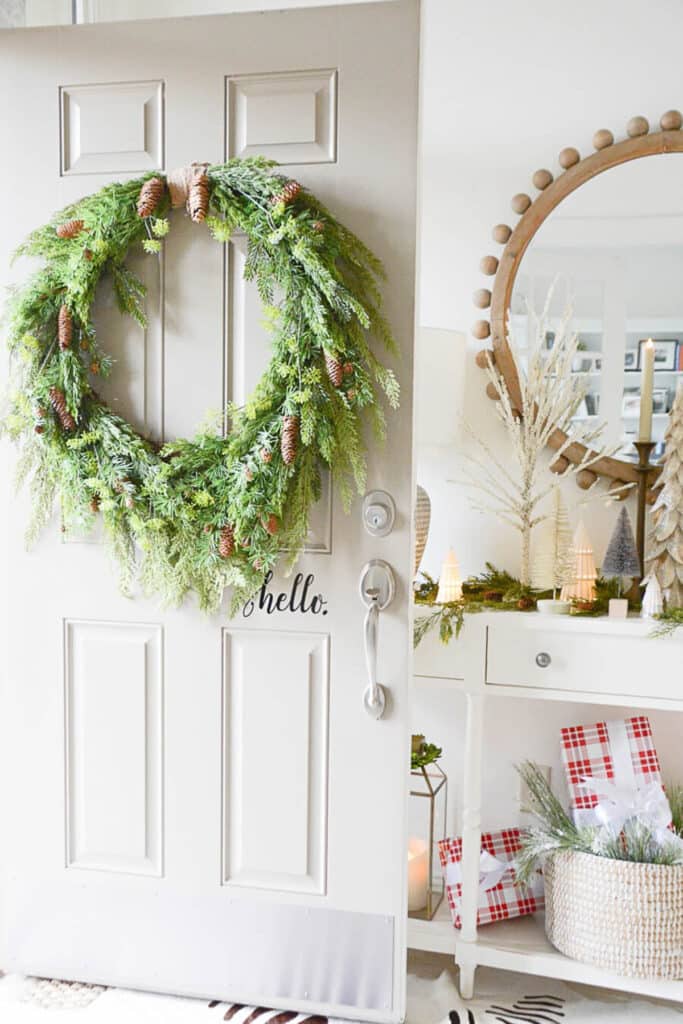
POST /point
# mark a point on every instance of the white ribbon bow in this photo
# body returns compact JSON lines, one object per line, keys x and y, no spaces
{"x":619,"y":803}
{"x":491,"y":871}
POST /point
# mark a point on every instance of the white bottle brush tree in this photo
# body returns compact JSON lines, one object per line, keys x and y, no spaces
{"x":665,"y":542}
{"x":552,"y":559}
{"x":549,"y":397}
{"x":621,"y":558}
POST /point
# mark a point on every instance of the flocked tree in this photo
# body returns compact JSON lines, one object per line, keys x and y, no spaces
{"x":621,"y":558}
{"x":549,"y":395}
{"x":551,"y":560}
{"x":665,"y":543}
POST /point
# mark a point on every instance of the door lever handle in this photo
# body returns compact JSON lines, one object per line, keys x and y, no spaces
{"x":374,"y":698}
{"x":377,"y":588}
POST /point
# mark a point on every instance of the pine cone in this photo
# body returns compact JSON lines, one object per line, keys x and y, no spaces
{"x":94,"y":503}
{"x":58,"y":402}
{"x":39,"y":428}
{"x":226,"y":542}
{"x":266,"y":455}
{"x":348,"y":369}
{"x":318,"y":225}
{"x":198,"y":196}
{"x":289,"y":441}
{"x":150,"y":195}
{"x":69,"y":229}
{"x":271,"y":525}
{"x":335,"y":370}
{"x":290,"y":190}
{"x":64,"y":327}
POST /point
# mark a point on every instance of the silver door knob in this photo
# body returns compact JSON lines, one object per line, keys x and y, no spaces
{"x":377,"y":589}
{"x":543,"y":659}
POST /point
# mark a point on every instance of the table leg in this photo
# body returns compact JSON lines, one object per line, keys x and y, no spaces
{"x":471,"y":836}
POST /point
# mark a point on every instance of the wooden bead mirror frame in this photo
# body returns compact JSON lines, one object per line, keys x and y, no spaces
{"x":640,"y":142}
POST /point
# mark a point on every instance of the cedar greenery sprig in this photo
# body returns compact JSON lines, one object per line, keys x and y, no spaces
{"x":668,"y":622}
{"x":165,"y":509}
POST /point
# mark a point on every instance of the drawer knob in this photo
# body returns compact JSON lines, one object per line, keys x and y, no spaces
{"x":543,"y":659}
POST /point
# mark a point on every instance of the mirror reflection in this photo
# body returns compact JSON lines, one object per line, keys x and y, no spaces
{"x":614,"y":250}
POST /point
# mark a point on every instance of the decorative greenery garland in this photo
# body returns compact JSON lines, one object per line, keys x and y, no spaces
{"x":216,"y":511}
{"x":495,"y":590}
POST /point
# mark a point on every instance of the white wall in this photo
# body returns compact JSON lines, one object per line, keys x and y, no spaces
{"x":505,"y":86}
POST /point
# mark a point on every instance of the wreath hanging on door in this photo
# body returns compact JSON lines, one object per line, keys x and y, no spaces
{"x":215,"y":511}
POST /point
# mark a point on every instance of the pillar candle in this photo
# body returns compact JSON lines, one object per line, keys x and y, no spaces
{"x":646,"y":386}
{"x":418,"y":874}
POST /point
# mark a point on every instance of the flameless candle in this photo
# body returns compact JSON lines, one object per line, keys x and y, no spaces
{"x":450,"y":584}
{"x":646,"y":385}
{"x":418,"y":874}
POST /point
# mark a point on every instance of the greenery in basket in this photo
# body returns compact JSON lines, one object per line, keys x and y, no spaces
{"x":497,"y":590}
{"x":555,"y":832}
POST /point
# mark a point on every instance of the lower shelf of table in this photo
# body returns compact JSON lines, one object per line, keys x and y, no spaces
{"x":521,"y":946}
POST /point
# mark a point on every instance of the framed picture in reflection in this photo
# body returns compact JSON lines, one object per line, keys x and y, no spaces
{"x":666,"y":353}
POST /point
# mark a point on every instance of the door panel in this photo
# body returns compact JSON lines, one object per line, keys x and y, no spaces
{"x":202,"y":804}
{"x":114,"y":728}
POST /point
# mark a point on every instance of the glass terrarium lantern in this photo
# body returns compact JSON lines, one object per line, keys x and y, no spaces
{"x":427,"y":823}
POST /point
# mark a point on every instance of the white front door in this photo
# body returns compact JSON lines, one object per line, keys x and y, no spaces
{"x":202,"y":805}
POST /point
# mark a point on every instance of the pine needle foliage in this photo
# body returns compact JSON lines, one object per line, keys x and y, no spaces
{"x":163,"y":509}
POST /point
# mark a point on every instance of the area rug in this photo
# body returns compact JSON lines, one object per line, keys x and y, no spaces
{"x":501,"y":998}
{"x":505,"y":998}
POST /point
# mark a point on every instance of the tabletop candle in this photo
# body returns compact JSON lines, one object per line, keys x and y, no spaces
{"x":418,"y":874}
{"x":646,"y":385}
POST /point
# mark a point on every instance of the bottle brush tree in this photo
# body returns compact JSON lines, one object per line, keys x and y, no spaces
{"x":621,"y":558}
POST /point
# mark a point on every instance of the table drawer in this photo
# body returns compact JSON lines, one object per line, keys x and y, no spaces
{"x":608,"y":663}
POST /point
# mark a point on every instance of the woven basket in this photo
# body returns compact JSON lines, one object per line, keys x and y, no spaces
{"x":625,"y":917}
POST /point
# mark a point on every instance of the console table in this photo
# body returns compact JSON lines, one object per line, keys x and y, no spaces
{"x":527,"y":655}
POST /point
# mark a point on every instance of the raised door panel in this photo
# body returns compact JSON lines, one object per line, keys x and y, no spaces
{"x":112,"y":128}
{"x":275,"y":759}
{"x":114,"y":729}
{"x":290,"y":117}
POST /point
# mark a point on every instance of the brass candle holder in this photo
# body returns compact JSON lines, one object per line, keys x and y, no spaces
{"x":644,"y":468}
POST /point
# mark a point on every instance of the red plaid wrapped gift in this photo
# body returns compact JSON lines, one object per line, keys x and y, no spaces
{"x":613,"y":774}
{"x":499,"y":897}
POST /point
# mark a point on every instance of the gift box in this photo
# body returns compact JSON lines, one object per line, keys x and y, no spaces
{"x":613,"y":774}
{"x":499,"y":897}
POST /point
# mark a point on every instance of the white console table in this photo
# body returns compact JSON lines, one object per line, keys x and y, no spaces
{"x":596,"y":661}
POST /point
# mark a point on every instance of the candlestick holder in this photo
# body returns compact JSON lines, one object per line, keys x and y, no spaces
{"x":644,"y":468}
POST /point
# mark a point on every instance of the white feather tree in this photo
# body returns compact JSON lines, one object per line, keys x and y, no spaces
{"x":549,"y":397}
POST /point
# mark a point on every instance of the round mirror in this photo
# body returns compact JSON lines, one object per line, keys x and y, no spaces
{"x":612,"y":253}
{"x":607,"y":230}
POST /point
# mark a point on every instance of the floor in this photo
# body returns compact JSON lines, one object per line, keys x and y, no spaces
{"x":432,"y":999}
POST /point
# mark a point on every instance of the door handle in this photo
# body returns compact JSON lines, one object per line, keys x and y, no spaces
{"x":374,"y":698}
{"x":377,"y":588}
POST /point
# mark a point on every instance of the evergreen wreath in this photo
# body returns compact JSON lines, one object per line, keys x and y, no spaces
{"x":215,"y":511}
